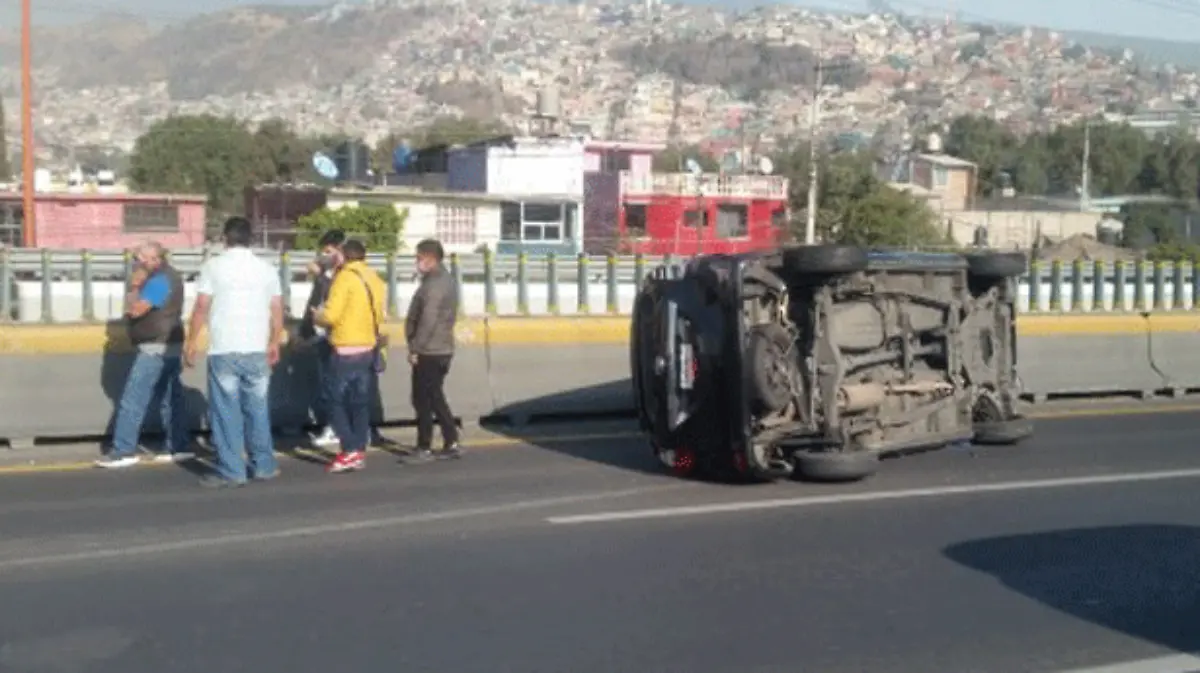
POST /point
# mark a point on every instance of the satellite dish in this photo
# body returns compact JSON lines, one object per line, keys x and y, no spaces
{"x":324,"y":166}
{"x":694,"y":167}
{"x":402,"y":157}
{"x":731,"y":162}
{"x":766,"y":166}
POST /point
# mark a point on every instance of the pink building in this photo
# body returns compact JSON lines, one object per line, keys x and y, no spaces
{"x":94,"y":221}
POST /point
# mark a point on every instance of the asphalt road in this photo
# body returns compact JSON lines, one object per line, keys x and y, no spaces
{"x":1082,"y":548}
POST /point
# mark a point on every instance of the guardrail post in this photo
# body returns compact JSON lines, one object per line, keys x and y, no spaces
{"x":1099,"y":272}
{"x":1034,"y":303}
{"x":489,"y":282}
{"x":1177,"y":285}
{"x":1195,"y":287}
{"x":522,"y":284}
{"x":127,"y":264}
{"x":285,"y":282}
{"x":1077,"y":285}
{"x":393,"y":295}
{"x":47,"y":287}
{"x":1160,"y":289}
{"x":552,"y":284}
{"x":1056,"y":282}
{"x":457,"y":272}
{"x":1120,"y":282}
{"x":582,"y":285}
{"x":613,"y":299}
{"x":1139,"y":287}
{"x":6,"y":285}
{"x":88,"y":288}
{"x":639,"y":270}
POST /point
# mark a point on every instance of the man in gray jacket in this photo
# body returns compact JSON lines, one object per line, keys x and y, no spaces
{"x":429,"y":331}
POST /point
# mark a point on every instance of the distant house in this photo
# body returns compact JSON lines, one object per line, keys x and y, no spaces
{"x":106,"y":221}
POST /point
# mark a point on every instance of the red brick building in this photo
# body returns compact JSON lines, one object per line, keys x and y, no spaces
{"x":97,"y":221}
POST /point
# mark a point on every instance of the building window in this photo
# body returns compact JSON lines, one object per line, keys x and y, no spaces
{"x":940,"y":176}
{"x":733,"y":220}
{"x":614,"y":162}
{"x":635,"y":220}
{"x":538,"y":222}
{"x":151,"y":217}
{"x":510,"y":221}
{"x":455,"y":225}
{"x":695,"y":218}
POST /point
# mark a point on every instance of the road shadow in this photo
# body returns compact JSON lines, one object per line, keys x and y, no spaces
{"x":599,"y":419}
{"x":116,"y":363}
{"x":1140,"y":580}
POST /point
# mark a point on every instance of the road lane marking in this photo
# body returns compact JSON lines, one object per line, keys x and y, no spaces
{"x":508,"y":442}
{"x":257,"y":538}
{"x":875,"y":496}
{"x":1180,"y":663}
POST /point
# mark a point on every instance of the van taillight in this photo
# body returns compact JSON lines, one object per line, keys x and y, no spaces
{"x":683,"y":461}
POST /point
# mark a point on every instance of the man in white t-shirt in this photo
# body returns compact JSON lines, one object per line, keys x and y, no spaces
{"x":239,"y":297}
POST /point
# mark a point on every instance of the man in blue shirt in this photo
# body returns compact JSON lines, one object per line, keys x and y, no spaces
{"x":154,"y":315}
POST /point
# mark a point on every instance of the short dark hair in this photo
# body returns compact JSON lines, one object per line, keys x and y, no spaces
{"x":354,"y":250}
{"x":335,"y":237}
{"x":431,"y":246}
{"x":238,"y":232}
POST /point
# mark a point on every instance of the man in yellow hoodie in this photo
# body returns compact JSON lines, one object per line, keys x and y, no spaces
{"x":352,"y":314}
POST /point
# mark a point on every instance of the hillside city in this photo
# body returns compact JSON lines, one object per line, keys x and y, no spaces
{"x":673,"y":73}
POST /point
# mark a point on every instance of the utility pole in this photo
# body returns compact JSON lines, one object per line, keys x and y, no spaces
{"x":1086,"y":179}
{"x":28,"y":165}
{"x":810,"y":226}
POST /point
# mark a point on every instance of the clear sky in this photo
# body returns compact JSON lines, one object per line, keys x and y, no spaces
{"x":1167,"y":19}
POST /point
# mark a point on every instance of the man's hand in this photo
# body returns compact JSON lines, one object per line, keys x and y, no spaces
{"x":412,"y":359}
{"x":273,"y":354}
{"x":138,"y":278}
{"x":189,"y":355}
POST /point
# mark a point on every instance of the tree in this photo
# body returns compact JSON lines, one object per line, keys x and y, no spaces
{"x":378,"y":226}
{"x":214,"y":156}
{"x":285,"y":154}
{"x":674,"y":159}
{"x":5,"y":167}
{"x":444,"y":130}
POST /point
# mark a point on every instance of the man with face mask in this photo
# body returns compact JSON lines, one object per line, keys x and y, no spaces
{"x":429,"y":331}
{"x":324,"y":268}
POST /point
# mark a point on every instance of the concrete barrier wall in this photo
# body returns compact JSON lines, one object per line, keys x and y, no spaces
{"x":63,"y":381}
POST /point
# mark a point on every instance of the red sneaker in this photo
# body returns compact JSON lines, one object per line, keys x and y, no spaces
{"x":347,"y":461}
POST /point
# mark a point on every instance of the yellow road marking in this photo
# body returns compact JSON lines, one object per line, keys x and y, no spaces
{"x":500,"y":442}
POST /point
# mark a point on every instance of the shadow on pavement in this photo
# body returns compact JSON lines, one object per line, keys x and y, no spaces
{"x":603,"y":411}
{"x":116,"y":363}
{"x":1140,"y":580}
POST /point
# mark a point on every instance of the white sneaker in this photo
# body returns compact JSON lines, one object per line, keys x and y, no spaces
{"x":178,"y":457}
{"x":115,"y":462}
{"x":327,"y":437}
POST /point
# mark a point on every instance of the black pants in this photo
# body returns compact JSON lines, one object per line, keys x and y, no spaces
{"x":429,"y":399}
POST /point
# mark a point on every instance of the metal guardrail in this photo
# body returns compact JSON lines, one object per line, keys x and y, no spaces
{"x":521,"y":281}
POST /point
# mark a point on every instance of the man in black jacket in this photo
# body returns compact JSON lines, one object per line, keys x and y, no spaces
{"x":154,"y":315}
{"x":429,"y":331}
{"x":323,"y":269}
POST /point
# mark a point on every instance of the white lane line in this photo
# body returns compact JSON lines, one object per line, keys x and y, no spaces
{"x":847,"y":498}
{"x":1180,"y":663}
{"x":233,"y":539}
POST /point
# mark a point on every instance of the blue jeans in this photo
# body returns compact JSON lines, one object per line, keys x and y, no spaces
{"x":322,"y":405}
{"x":351,"y":408}
{"x":152,"y":375}
{"x":240,"y":414}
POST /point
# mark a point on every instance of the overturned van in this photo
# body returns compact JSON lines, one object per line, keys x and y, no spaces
{"x":815,"y":361}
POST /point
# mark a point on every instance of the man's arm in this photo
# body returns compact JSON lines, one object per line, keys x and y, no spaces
{"x":334,"y":310}
{"x":200,"y":312}
{"x":153,"y":294}
{"x":422,"y":333}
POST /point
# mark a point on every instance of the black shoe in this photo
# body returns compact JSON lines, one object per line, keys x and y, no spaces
{"x":419,"y":457}
{"x":217,"y":481}
{"x":450,"y":452}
